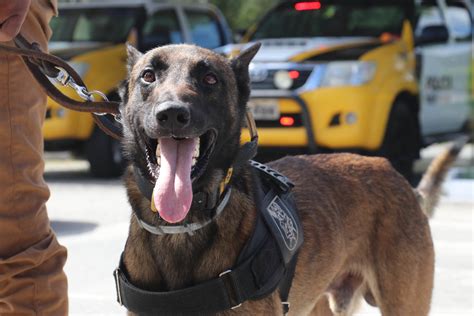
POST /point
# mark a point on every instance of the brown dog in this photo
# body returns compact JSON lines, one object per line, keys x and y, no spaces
{"x":365,"y":234}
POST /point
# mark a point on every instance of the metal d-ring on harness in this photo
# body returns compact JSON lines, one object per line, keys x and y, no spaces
{"x":44,"y":67}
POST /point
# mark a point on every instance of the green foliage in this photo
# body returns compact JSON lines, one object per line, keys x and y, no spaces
{"x":241,"y":14}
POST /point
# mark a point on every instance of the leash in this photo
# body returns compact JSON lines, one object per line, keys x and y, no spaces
{"x":45,"y":66}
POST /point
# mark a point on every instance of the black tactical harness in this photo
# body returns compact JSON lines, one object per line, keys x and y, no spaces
{"x":267,"y":261}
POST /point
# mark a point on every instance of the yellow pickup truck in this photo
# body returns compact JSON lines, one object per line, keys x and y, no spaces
{"x":91,"y":36}
{"x":378,"y":77}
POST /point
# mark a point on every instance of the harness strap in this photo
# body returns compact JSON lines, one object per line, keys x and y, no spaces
{"x":285,"y":285}
{"x":274,"y":206}
{"x":228,"y":291}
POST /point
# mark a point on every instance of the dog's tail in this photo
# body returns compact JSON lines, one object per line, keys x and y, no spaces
{"x":428,"y":190}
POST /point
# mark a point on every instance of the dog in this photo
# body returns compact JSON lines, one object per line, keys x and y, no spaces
{"x":365,"y":232}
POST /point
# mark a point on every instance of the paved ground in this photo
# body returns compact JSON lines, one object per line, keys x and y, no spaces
{"x":91,"y":218}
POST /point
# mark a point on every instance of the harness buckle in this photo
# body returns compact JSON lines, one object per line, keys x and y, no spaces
{"x":117,"y":286}
{"x":231,"y":284}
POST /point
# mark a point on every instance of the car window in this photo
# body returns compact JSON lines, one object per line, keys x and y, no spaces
{"x":333,"y":18}
{"x":457,"y":18}
{"x":459,"y":22}
{"x":93,"y":25}
{"x":161,"y":28}
{"x":204,"y":28}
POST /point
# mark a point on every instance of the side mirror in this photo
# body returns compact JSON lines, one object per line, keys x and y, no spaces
{"x":432,"y":34}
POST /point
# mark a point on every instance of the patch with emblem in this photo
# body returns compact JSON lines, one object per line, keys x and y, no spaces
{"x":285,"y":222}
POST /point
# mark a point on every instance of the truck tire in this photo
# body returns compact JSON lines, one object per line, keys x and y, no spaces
{"x":401,"y":144}
{"x":104,"y":155}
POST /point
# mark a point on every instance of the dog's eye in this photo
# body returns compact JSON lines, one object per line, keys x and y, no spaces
{"x":148,"y":76}
{"x":210,"y":79}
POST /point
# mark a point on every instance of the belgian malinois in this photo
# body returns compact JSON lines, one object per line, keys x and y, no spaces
{"x":365,"y":233}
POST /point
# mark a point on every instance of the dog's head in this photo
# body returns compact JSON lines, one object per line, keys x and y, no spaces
{"x":183,"y":109}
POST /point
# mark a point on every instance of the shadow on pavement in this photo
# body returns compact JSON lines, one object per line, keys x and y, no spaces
{"x":78,"y":176}
{"x":64,"y":228}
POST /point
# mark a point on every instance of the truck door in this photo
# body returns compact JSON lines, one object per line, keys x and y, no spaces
{"x":443,"y":37}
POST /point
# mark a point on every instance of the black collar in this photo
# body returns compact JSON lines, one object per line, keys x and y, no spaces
{"x":211,"y":204}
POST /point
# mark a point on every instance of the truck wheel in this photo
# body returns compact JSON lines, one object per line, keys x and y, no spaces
{"x":104,"y":155}
{"x":401,"y":145}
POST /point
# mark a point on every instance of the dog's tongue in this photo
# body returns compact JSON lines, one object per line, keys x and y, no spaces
{"x":173,"y":192}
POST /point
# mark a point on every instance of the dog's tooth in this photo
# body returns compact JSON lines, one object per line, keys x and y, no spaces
{"x":158,"y":150}
{"x":158,"y":160}
{"x":194,"y":161}
{"x":196,"y":149}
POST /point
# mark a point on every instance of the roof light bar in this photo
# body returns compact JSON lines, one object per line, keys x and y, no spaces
{"x":305,"y":6}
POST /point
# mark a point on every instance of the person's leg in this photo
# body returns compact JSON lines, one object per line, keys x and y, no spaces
{"x":32,"y":281}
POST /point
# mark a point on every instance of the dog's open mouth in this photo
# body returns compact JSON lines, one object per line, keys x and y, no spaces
{"x":174,"y":163}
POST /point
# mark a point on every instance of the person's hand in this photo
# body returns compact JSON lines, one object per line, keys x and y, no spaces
{"x":12,"y":16}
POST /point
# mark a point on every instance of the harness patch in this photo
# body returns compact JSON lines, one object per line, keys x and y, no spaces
{"x":279,"y":211}
{"x":285,"y":222}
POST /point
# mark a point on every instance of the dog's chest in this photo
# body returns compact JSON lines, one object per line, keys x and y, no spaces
{"x":184,"y":260}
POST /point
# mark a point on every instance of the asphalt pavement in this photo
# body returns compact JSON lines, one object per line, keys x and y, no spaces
{"x":91,"y":218}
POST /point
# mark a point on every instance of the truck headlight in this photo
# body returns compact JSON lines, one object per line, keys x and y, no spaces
{"x":348,"y":73}
{"x":282,"y":79}
{"x":80,"y":67}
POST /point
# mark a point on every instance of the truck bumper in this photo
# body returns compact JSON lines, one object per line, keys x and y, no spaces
{"x":332,"y":118}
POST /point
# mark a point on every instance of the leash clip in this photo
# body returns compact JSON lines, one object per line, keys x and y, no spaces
{"x":66,"y":80}
{"x":63,"y":77}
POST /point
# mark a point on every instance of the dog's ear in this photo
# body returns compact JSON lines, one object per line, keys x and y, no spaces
{"x":242,"y":61}
{"x":240,"y":66}
{"x":133,"y":56}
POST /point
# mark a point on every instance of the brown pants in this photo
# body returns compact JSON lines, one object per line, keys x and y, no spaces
{"x":32,"y":281}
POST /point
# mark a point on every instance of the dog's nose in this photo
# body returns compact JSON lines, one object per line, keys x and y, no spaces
{"x":173,"y":115}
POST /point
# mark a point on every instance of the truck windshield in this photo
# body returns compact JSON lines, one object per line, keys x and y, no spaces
{"x":332,"y":19}
{"x":93,"y":25}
